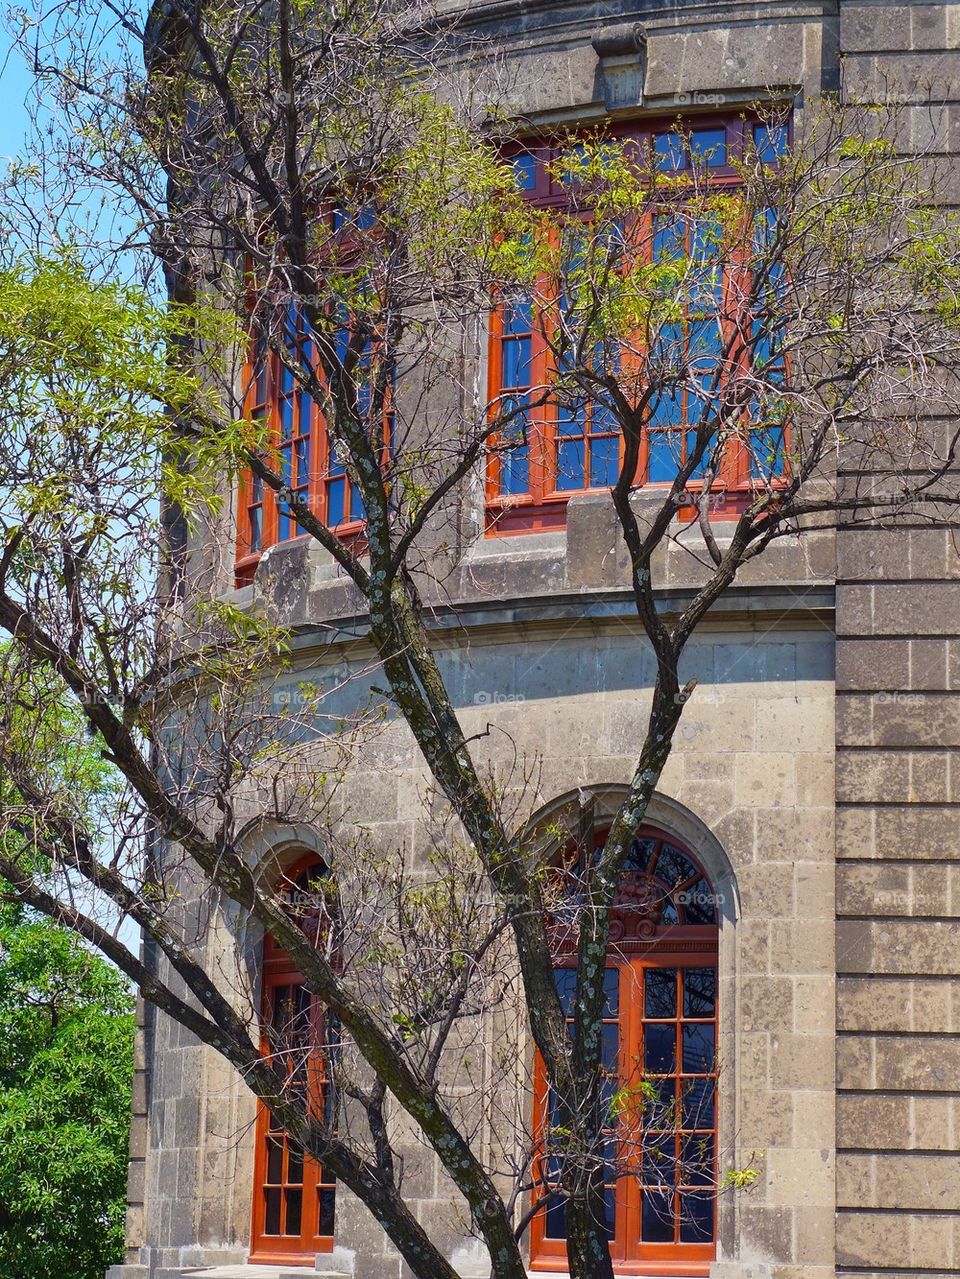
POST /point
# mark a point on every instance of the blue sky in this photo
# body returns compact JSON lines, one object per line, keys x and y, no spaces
{"x":15,"y":81}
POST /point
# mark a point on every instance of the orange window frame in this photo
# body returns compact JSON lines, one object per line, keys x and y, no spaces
{"x":675,"y":946}
{"x":543,"y":505}
{"x":630,"y":1254}
{"x":282,"y":1176}
{"x":318,"y":475}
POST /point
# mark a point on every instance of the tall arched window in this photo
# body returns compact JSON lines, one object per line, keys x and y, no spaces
{"x":660,"y":1035}
{"x":293,"y":1198}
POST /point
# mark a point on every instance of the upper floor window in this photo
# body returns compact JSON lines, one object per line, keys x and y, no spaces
{"x":312,"y":464}
{"x":556,"y":438}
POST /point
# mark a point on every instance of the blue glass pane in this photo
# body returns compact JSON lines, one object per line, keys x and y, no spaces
{"x":516,"y":362}
{"x":770,"y":142}
{"x":639,"y":855}
{"x":611,"y":1046}
{"x":341,"y":342}
{"x":662,"y":457}
{"x":666,"y":410}
{"x":669,"y":346}
{"x":286,"y":464}
{"x":571,"y":418}
{"x":515,"y":470}
{"x":286,"y":417}
{"x":327,"y":1209}
{"x":698,"y":1160}
{"x":697,"y":1102}
{"x":696,"y":1218}
{"x":697,"y":1052}
{"x":517,"y":318}
{"x":366,"y":216}
{"x":706,"y":456}
{"x":765,"y":228}
{"x":256,"y":530}
{"x":565,"y":980}
{"x":700,"y":903}
{"x":285,"y":526}
{"x":524,"y":171}
{"x":673,"y":866}
{"x":659,"y":1167}
{"x":357,"y":509}
{"x":570,"y":464}
{"x":256,"y":489}
{"x":604,"y":462}
{"x":602,"y":419}
{"x":611,"y":989}
{"x":610,"y":1212}
{"x":573,"y":157}
{"x":661,"y":1111}
{"x":767,"y":449}
{"x":669,"y":239}
{"x":699,"y":992}
{"x":660,"y":992}
{"x":302,"y":447}
{"x":659,"y":1048}
{"x":576,"y":246}
{"x":556,"y":1223}
{"x":708,"y":146}
{"x":669,"y":151}
{"x":657,"y":1217}
{"x":304,"y":407}
{"x":336,"y":497}
{"x":704,"y":342}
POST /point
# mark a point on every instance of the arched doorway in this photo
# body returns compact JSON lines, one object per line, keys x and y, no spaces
{"x":660,"y":1055}
{"x":293,"y":1196}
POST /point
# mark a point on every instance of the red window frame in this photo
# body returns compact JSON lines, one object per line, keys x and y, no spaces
{"x":673,"y":946}
{"x":292,"y":416}
{"x":291,"y":1188}
{"x":543,"y":505}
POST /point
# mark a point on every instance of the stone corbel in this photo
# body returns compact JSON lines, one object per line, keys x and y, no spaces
{"x":621,"y":65}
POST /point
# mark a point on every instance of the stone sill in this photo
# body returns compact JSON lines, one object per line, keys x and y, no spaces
{"x":242,"y":1271}
{"x":259,"y":1272}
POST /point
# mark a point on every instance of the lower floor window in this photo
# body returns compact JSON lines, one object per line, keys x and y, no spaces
{"x":294,"y":1196}
{"x":659,"y":1059}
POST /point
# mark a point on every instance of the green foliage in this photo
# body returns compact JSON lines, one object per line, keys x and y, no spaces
{"x":92,"y":399}
{"x":66,"y":1023}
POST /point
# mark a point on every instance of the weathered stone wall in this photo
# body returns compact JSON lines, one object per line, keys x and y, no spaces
{"x":898,"y":729}
{"x":753,"y":766}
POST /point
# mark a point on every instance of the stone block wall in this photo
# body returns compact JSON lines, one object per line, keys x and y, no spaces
{"x":897,"y":788}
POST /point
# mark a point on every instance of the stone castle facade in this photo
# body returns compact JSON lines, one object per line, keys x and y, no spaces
{"x":815,"y":778}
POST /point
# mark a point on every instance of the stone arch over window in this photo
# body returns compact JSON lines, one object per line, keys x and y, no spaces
{"x":668,"y":1037}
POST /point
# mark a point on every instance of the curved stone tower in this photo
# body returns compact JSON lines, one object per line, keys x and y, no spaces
{"x":811,"y":781}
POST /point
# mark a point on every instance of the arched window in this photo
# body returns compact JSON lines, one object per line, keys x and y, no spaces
{"x":660,"y":1034}
{"x":293,"y":1199}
